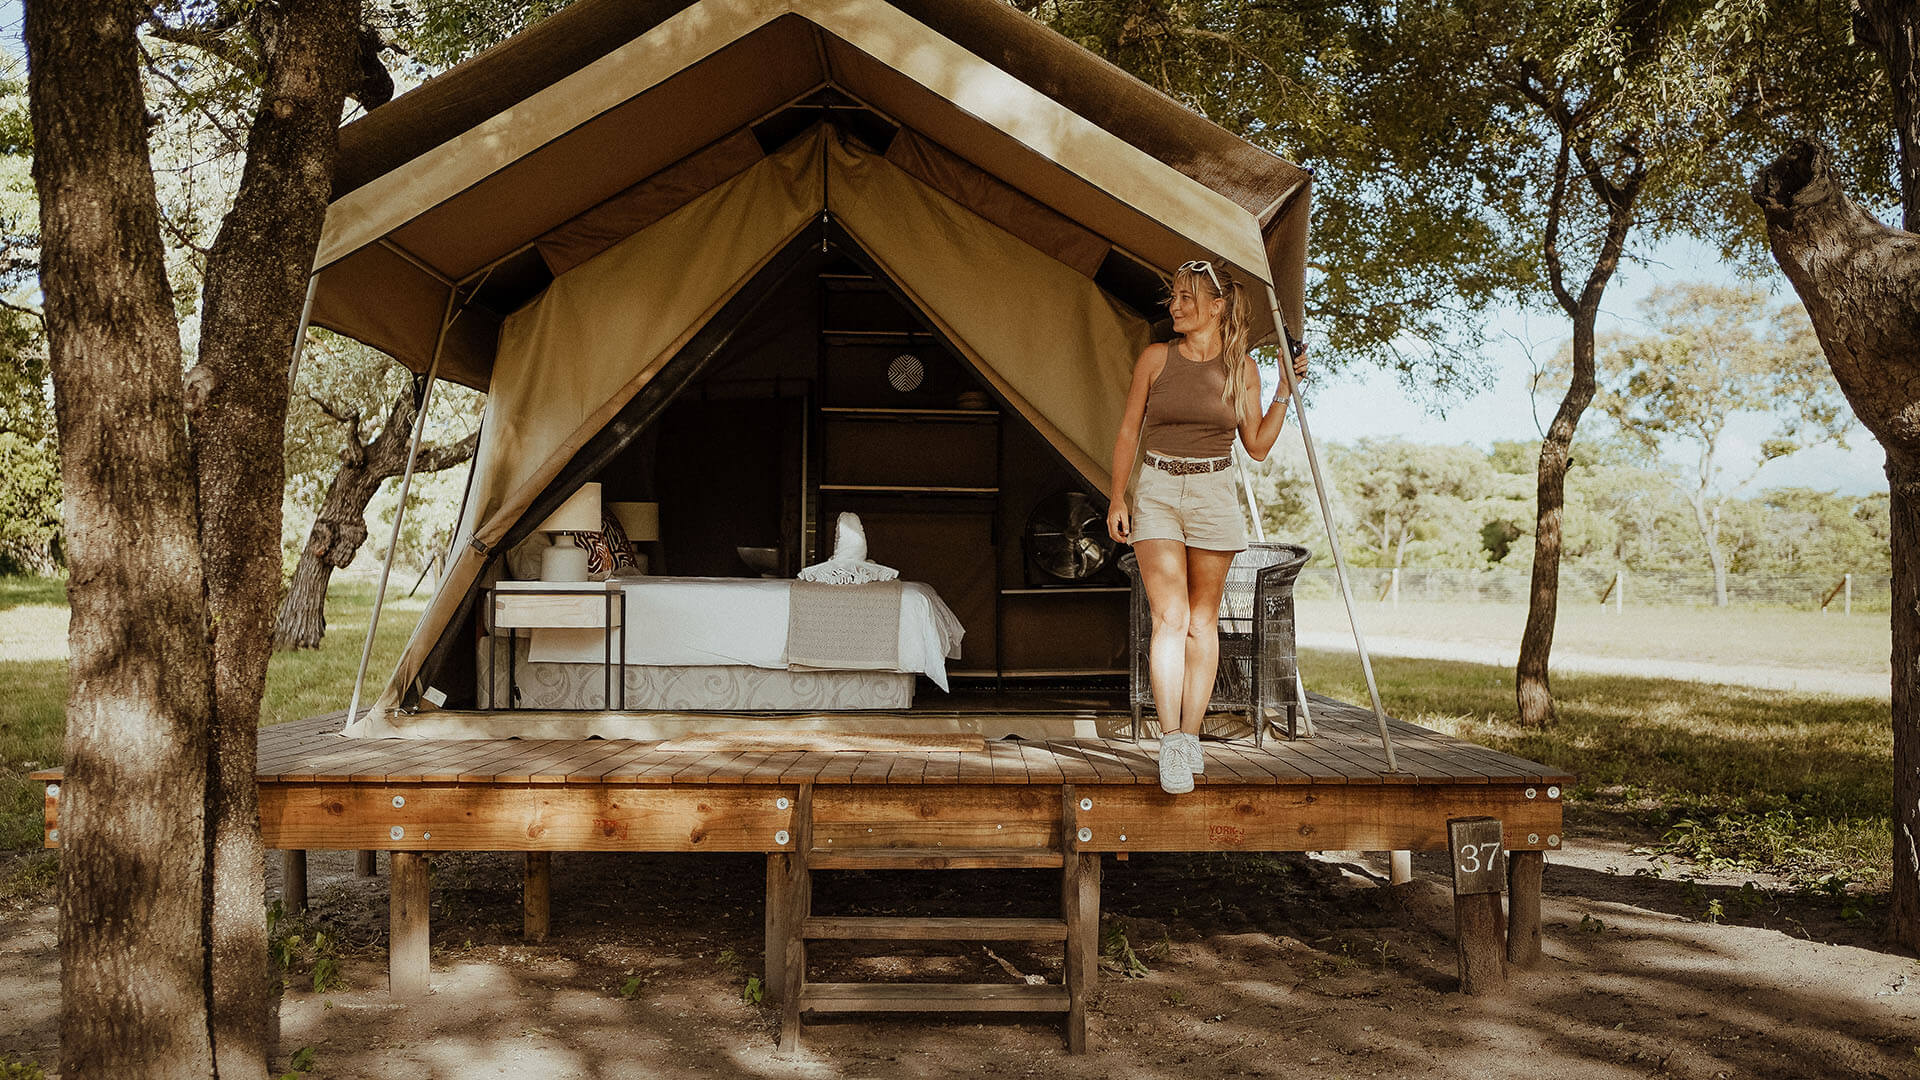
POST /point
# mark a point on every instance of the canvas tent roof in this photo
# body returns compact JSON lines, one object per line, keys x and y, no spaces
{"x":562,"y":216}
{"x":513,"y":165}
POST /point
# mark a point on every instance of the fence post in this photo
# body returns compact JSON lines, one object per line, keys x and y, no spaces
{"x":1394,"y":587}
{"x":1848,"y":610}
{"x":1619,"y":589}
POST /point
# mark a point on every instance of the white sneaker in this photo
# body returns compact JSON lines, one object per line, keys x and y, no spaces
{"x":1176,"y":774}
{"x":1196,"y":760}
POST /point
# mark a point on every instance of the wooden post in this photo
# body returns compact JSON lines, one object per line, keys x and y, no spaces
{"x":536,"y":895}
{"x":1399,"y":867}
{"x":364,"y":864}
{"x":779,"y":876}
{"x":1524,"y":870}
{"x":799,"y":896}
{"x":1848,"y":582}
{"x":408,"y":958}
{"x":1080,"y":909}
{"x":293,"y":881}
{"x":1479,"y":874}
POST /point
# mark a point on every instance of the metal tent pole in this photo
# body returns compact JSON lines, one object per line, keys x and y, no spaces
{"x":400,"y":510}
{"x":300,"y":335}
{"x":1333,"y":535}
{"x":1246,"y":484}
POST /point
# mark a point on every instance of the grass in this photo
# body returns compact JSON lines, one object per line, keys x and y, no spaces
{"x":1796,"y":783}
{"x":33,"y":692}
{"x":1729,"y":777}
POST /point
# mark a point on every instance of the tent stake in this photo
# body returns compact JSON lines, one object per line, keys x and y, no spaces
{"x":400,"y":508}
{"x":1333,"y":536}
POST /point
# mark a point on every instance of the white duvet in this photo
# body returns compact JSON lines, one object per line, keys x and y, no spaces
{"x":694,"y":621}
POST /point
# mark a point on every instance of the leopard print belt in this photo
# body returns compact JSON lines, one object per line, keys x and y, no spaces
{"x":1188,"y":467}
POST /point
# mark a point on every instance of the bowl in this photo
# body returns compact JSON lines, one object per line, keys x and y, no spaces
{"x":761,"y":560}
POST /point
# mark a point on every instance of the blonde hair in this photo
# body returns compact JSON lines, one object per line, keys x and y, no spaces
{"x":1233,"y":326}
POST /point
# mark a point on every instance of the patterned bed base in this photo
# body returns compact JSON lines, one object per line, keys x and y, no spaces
{"x":689,"y":688}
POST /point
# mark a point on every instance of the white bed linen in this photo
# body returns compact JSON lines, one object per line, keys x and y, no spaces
{"x":695,"y":621}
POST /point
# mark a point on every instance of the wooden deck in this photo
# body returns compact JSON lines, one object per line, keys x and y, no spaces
{"x":1057,"y":804}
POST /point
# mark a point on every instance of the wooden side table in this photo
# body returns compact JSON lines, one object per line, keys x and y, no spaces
{"x":550,"y":605}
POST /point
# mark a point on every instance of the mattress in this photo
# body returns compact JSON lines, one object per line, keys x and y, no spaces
{"x":686,"y":687}
{"x":741,"y":622}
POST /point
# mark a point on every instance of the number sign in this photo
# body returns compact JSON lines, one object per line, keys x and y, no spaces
{"x":1479,"y":856}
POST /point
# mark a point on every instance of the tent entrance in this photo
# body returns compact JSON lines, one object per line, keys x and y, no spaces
{"x":821,"y":388}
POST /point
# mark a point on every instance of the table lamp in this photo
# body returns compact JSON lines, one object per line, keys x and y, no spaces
{"x":641,"y":521}
{"x":565,"y":561}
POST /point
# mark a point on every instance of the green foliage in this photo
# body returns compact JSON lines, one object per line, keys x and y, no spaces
{"x":631,"y":988}
{"x":1117,"y":953}
{"x":11,"y":1069}
{"x":755,"y":992}
{"x":299,"y":946}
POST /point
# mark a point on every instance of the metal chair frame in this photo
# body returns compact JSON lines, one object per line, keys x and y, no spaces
{"x":1259,"y":670}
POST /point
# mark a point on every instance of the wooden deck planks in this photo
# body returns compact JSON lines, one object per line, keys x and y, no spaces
{"x":1346,"y":751}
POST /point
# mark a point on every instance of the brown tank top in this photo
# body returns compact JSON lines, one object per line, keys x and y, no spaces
{"x":1185,"y":416}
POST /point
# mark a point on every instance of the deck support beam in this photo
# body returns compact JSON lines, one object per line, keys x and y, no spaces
{"x":293,"y":881}
{"x":798,"y":896}
{"x":1080,"y":908}
{"x":536,"y":895}
{"x":1524,"y":872}
{"x":408,"y":957}
{"x":366,"y":864}
{"x":1399,"y":867}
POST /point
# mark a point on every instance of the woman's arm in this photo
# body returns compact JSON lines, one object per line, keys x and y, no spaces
{"x":1146,"y":367}
{"x":1259,"y":431}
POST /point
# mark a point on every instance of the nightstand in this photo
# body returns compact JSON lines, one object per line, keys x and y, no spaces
{"x":514,"y":606}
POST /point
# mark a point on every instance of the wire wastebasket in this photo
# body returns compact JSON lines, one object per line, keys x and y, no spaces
{"x":1259,"y":671}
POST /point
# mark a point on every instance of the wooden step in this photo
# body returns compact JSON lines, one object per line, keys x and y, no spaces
{"x":933,"y":997}
{"x":877,"y":928}
{"x":878,"y":858}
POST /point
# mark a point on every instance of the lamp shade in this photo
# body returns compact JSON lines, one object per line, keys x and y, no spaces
{"x":580,"y":513}
{"x":641,"y":520}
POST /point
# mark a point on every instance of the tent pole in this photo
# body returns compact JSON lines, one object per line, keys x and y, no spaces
{"x":1246,"y":484}
{"x":300,"y":335}
{"x":1333,"y":535}
{"x":400,"y":508}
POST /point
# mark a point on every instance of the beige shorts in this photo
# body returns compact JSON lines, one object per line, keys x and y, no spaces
{"x":1200,"y":510}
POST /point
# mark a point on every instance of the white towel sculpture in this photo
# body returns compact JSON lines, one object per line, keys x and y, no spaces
{"x":849,"y":565}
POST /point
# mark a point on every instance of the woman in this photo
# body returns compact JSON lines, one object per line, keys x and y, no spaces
{"x":1188,"y":398}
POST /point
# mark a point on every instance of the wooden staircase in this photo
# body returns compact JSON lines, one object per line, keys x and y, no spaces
{"x":791,"y":924}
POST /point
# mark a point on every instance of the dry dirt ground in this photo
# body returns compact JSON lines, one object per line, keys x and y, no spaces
{"x":1249,"y":966}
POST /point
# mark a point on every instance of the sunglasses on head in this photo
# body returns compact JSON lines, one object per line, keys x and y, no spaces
{"x":1199,"y":265}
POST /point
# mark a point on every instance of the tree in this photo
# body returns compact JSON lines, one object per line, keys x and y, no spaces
{"x":172,"y":503}
{"x":362,"y":465}
{"x":1719,"y":352}
{"x":1860,"y":282}
{"x":1416,"y":497}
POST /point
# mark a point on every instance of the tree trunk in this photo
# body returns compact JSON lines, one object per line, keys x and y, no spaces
{"x":341,"y":526}
{"x":133,"y":976}
{"x":1708,"y":522}
{"x":1860,"y":282}
{"x":256,"y":282}
{"x":1533,"y":696}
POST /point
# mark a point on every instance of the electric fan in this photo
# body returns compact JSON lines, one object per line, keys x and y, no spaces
{"x":1066,"y":537}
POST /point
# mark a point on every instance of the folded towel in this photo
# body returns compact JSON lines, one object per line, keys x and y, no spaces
{"x":849,"y":565}
{"x":844,"y":628}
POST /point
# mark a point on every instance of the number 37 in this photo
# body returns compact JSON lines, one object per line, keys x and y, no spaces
{"x":1475,"y":858}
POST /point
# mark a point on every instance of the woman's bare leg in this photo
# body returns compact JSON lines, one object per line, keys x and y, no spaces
{"x":1163,"y":571}
{"x":1206,"y":581}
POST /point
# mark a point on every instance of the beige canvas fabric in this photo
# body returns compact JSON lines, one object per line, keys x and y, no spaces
{"x":696,"y":80}
{"x":1050,"y":341}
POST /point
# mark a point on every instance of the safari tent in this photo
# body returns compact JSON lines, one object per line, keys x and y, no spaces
{"x":761,"y":261}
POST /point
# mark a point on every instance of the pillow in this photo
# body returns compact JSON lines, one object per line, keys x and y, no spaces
{"x":608,"y":551}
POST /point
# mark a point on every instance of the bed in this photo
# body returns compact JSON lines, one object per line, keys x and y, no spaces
{"x":733,"y":644}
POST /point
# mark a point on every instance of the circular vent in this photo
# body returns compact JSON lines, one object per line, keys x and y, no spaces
{"x":1067,"y":537}
{"x":905,"y":373}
